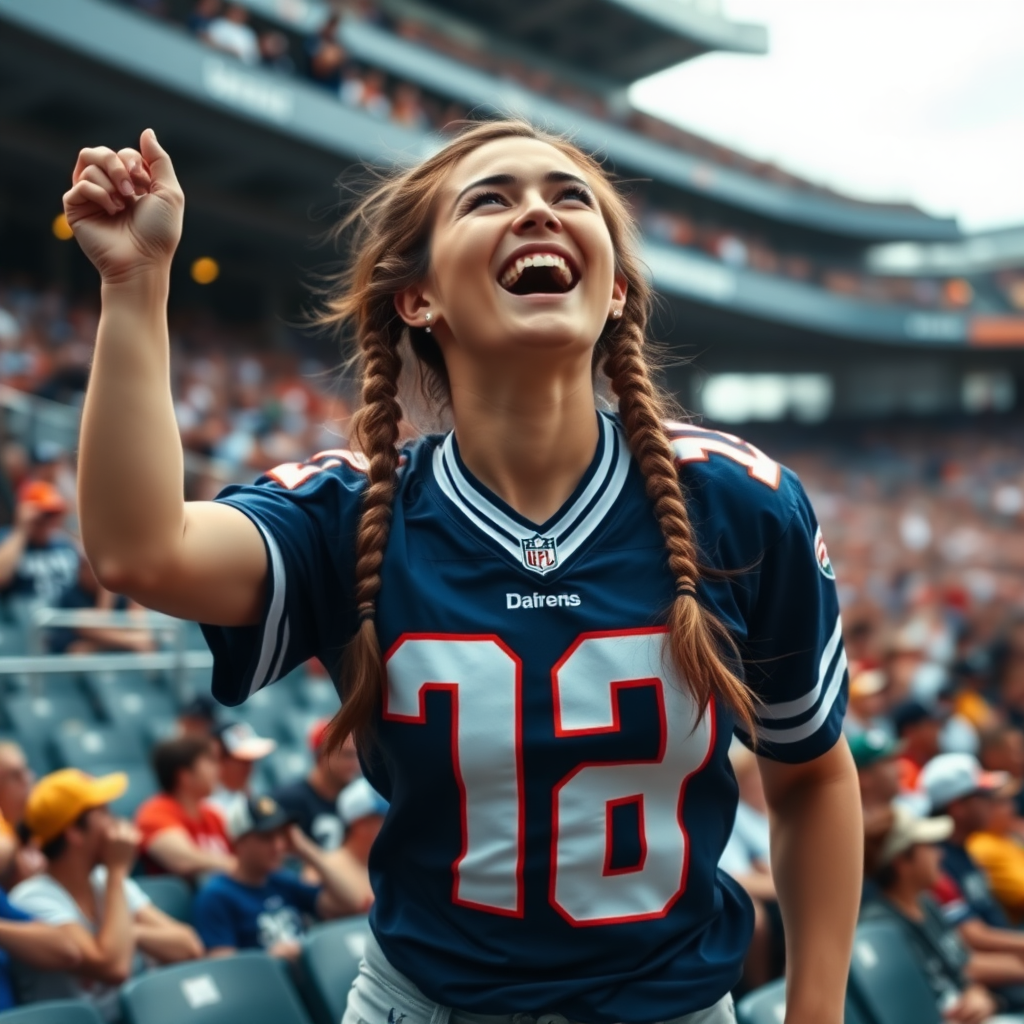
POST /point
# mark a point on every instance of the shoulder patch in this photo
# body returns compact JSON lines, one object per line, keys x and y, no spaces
{"x":821,"y":554}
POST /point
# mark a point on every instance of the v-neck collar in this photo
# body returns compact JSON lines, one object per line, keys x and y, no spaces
{"x":545,"y":548}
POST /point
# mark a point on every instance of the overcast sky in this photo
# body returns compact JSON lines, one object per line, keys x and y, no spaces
{"x":919,"y":100}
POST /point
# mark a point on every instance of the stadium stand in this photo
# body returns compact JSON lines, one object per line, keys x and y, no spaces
{"x":67,"y":1011}
{"x":915,"y":466}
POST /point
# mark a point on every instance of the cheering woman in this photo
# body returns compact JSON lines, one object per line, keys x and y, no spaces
{"x":545,"y":625}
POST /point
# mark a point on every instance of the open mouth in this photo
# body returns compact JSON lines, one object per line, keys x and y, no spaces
{"x":539,"y":273}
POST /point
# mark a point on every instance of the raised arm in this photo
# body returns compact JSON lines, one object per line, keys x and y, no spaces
{"x":197,"y":560}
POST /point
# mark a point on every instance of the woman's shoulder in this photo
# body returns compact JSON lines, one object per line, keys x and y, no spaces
{"x":730,"y":480}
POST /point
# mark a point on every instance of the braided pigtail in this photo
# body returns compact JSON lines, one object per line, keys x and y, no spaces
{"x":377,"y":433}
{"x":696,"y":638}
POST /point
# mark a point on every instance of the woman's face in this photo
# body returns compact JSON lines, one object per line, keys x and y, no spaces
{"x":510,"y":201}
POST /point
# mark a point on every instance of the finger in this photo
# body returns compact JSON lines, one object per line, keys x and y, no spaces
{"x":132,"y":159}
{"x":98,"y":176}
{"x":107,"y":159}
{"x":86,"y":194}
{"x":160,"y":167}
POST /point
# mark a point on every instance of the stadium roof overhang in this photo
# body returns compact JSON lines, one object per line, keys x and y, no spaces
{"x":619,"y":40}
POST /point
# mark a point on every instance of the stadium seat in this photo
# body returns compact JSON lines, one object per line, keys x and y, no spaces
{"x":108,"y":745}
{"x":37,"y":751}
{"x":63,"y":1011}
{"x":13,"y":640}
{"x":296,"y":723}
{"x":99,"y":684}
{"x":288,"y":764}
{"x":170,"y":894}
{"x":41,"y":717}
{"x":141,"y":786}
{"x":329,"y":964}
{"x":319,"y":696}
{"x":133,"y":709}
{"x":249,"y":987}
{"x":886,"y":980}
{"x":766,"y":1005}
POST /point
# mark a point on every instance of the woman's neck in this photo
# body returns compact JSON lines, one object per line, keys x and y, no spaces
{"x":529,"y":441}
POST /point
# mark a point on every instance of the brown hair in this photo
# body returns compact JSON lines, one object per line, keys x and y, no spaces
{"x":388,"y":232}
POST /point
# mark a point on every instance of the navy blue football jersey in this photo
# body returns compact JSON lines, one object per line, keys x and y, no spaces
{"x":557,"y":806}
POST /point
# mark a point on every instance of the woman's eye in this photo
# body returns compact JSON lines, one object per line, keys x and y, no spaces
{"x":484,"y":199}
{"x":576,"y":192}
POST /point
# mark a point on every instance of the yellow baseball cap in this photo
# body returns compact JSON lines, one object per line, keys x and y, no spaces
{"x":61,"y":798}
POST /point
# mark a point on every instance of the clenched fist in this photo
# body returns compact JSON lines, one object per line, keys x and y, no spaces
{"x":125,"y":209}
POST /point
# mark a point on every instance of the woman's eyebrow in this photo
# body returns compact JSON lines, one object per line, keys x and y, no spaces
{"x":511,"y":179}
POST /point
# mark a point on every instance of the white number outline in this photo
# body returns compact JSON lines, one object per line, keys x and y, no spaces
{"x":420,"y":718}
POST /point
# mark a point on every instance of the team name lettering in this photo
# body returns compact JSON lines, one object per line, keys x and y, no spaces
{"x":542,"y":601}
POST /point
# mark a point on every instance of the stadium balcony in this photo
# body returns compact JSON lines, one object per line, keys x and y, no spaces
{"x":114,"y":36}
{"x":67,"y":64}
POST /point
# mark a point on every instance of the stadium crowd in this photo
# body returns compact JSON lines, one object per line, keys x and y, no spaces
{"x":322,"y":59}
{"x":924,"y":533}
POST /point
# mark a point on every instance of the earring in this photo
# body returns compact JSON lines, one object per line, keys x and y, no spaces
{"x":428,"y":316}
{"x":616,"y":313}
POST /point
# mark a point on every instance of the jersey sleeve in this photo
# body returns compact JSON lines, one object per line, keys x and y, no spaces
{"x":307,"y":515}
{"x":793,"y":656}
{"x":9,"y":912}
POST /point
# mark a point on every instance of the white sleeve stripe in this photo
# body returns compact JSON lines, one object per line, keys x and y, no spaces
{"x":792,"y":708}
{"x":272,"y":625}
{"x":800,"y":732}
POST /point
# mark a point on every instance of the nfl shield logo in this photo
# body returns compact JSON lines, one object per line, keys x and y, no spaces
{"x":540,"y":553}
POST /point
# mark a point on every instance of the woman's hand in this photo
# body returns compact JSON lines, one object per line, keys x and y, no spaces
{"x":126,"y":209}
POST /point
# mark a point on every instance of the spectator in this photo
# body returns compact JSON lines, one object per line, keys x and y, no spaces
{"x":204,"y":13}
{"x":259,"y":906}
{"x":312,"y":802}
{"x":38,"y":561}
{"x":374,"y":99}
{"x":326,"y":55}
{"x":996,"y":849}
{"x":408,"y":108}
{"x":240,"y":748}
{"x":198,"y":717}
{"x":18,"y":860}
{"x":86,"y":593}
{"x":956,"y":786}
{"x":275,"y":53}
{"x":874,"y":754}
{"x":1002,"y":750}
{"x":180,"y":833}
{"x":362,"y":810}
{"x":747,"y":860}
{"x":918,"y":728}
{"x":353,"y":87}
{"x":909,"y":867}
{"x":866,"y":707}
{"x":38,"y":945}
{"x":232,"y":33}
{"x":87,"y":894}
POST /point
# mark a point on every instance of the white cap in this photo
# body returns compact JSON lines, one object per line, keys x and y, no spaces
{"x":909,"y":830}
{"x":360,"y":800}
{"x":949,"y":777}
{"x":241,"y":741}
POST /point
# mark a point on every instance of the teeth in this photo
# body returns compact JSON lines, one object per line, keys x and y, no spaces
{"x":544,"y":259}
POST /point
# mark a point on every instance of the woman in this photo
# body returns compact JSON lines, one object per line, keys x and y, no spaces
{"x":561,"y":685}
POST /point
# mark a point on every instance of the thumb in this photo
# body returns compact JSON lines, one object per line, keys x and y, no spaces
{"x":160,"y":167}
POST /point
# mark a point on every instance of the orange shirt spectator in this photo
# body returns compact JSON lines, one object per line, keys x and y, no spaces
{"x":181,"y":834}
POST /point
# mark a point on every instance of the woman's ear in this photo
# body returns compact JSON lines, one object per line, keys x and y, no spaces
{"x":620,"y":289}
{"x":412,"y":305}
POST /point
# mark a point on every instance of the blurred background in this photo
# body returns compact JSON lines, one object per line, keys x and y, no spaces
{"x":832,"y":213}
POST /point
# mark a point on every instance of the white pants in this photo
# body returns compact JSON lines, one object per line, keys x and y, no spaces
{"x":380,"y":995}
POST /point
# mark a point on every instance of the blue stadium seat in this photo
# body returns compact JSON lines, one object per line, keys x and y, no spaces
{"x":329,"y":964}
{"x":37,"y":751}
{"x":170,"y":894}
{"x":107,"y":745}
{"x":766,"y":1005}
{"x":41,"y":717}
{"x":318,"y":694}
{"x":296,"y":723}
{"x":249,"y":987}
{"x":63,"y":1011}
{"x":132,"y":709}
{"x":13,"y":640}
{"x":101,"y":684}
{"x":142,"y":785}
{"x":288,"y":764}
{"x":886,"y":979}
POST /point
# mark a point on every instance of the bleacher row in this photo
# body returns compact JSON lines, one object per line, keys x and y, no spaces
{"x":107,"y":721}
{"x":886,"y":985}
